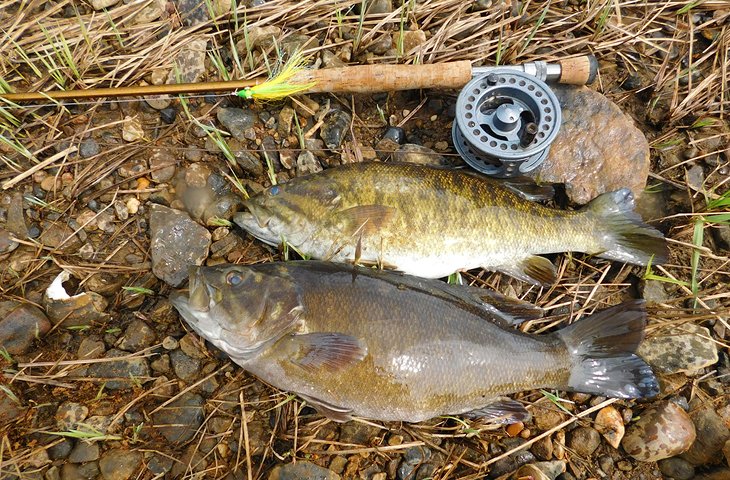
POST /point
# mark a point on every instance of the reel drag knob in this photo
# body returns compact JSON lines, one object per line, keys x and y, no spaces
{"x":505,"y":122}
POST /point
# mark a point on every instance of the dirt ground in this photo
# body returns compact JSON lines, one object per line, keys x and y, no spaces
{"x":82,"y":177}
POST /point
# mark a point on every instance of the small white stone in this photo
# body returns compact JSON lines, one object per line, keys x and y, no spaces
{"x":132,"y":129}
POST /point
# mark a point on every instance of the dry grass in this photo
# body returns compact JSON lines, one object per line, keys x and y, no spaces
{"x":48,"y":46}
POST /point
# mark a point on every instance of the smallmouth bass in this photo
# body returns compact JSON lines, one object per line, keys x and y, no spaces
{"x":353,"y":341}
{"x":430,"y":222}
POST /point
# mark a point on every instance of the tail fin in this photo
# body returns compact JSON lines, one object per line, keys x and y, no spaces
{"x":603,"y":346}
{"x":628,"y":238}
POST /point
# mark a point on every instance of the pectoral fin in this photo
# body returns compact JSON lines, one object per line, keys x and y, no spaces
{"x":364,"y":219}
{"x":315,"y":352}
{"x":501,"y":410}
{"x":512,"y":311}
{"x":535,"y":270}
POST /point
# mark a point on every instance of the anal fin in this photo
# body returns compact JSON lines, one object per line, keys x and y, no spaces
{"x":334,"y":413}
{"x":502,"y":410}
{"x":536,"y":270}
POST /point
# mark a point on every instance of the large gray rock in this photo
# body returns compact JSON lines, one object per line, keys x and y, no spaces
{"x":686,"y":348}
{"x":598,"y":149}
{"x":177,"y":242}
{"x":122,"y":374}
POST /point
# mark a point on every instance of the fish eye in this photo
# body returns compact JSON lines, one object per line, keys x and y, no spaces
{"x":234,"y":279}
{"x":274,"y":190}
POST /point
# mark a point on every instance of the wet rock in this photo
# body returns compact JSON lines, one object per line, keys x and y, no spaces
{"x":664,"y":430}
{"x":88,"y":148}
{"x":421,"y":155}
{"x":236,"y":120}
{"x":177,"y":242}
{"x":122,"y":374}
{"x":676,"y":468}
{"x":191,"y":60}
{"x":179,"y":420}
{"x":395,"y":135}
{"x":185,"y":367}
{"x":137,"y":336}
{"x":589,"y":167}
{"x":684,"y":348}
{"x":120,"y":464}
{"x":84,"y":308}
{"x":300,"y":471}
{"x":711,"y":437}
{"x":307,"y":163}
{"x":10,"y":408}
{"x":70,"y":414}
{"x":584,"y":441}
{"x":335,"y":128}
{"x":87,"y":471}
{"x":610,"y":424}
{"x":84,"y":452}
{"x":20,"y":325}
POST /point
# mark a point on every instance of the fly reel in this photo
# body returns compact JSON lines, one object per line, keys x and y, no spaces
{"x":505,"y":122}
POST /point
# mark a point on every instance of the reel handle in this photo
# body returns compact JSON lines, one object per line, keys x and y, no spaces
{"x":578,"y":70}
{"x":384,"y":78}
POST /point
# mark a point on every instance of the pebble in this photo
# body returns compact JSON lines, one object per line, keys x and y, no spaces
{"x":87,"y":471}
{"x":300,"y":471}
{"x":286,"y":117}
{"x":10,"y":408}
{"x":335,"y":128}
{"x":610,"y":424}
{"x":132,"y":167}
{"x":137,"y":336}
{"x":69,"y":414}
{"x":543,"y":448}
{"x":88,"y":148}
{"x":379,"y":6}
{"x":539,"y":471}
{"x":185,"y":367}
{"x":193,"y":347}
{"x":162,"y":165}
{"x":664,"y":430}
{"x":132,"y":129}
{"x":102,"y":4}
{"x":84,"y":308}
{"x":169,"y":343}
{"x":676,"y":468}
{"x":249,"y":162}
{"x":587,"y":167}
{"x":547,"y":415}
{"x":60,"y":450}
{"x":307,"y":163}
{"x":90,"y":348}
{"x":84,"y":452}
{"x":191,"y":58}
{"x":411,"y":153}
{"x":411,"y":39}
{"x":177,"y":242}
{"x":654,"y":292}
{"x":7,"y":244}
{"x":126,"y":373}
{"x":695,"y":178}
{"x":606,"y":464}
{"x":159,"y":465}
{"x":179,"y":420}
{"x":711,"y":436}
{"x":718,"y":474}
{"x":20,"y":325}
{"x":413,"y":458}
{"x":680,"y":349}
{"x":236,"y":120}
{"x":584,"y":441}
{"x":168,"y":115}
{"x":511,"y":463}
{"x":120,"y":464}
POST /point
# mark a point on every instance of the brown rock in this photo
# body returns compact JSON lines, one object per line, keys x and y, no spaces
{"x":82,"y":309}
{"x":598,"y":148}
{"x":663,"y":431}
{"x":20,"y":324}
{"x":711,"y":437}
{"x":610,"y":424}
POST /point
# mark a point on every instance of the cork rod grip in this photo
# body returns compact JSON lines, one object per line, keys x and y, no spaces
{"x":385,"y":78}
{"x":579,"y":70}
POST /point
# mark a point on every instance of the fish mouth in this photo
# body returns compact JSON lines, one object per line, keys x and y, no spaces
{"x":202,"y":294}
{"x":257,"y":226}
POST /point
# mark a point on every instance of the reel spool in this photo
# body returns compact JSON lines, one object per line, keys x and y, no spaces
{"x":505,"y":122}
